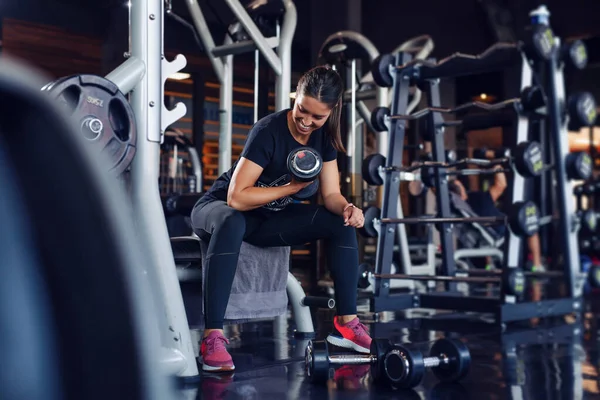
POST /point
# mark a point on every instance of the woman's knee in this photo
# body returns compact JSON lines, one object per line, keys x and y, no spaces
{"x":219,"y":218}
{"x":339,"y":232}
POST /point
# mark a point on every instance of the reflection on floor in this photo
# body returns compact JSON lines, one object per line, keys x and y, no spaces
{"x":555,"y":359}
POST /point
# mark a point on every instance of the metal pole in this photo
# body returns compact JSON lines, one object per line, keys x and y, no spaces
{"x":127,"y":75}
{"x":205,"y":36}
{"x":225,"y":111}
{"x":147,"y":102}
{"x":283,"y":82}
{"x":256,"y":82}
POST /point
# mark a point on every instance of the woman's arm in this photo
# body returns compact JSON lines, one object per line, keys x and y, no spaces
{"x":499,"y":185}
{"x":332,"y":196}
{"x":243,"y":195}
{"x":330,"y":188}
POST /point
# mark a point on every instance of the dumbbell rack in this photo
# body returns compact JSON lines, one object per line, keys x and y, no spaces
{"x":427,"y":75}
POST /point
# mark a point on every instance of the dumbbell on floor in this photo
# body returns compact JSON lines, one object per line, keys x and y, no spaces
{"x":397,"y":365}
{"x":305,"y":165}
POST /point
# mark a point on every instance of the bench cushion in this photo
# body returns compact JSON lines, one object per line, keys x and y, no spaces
{"x":259,"y":285}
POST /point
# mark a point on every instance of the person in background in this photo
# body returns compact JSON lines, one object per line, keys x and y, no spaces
{"x":483,"y":204}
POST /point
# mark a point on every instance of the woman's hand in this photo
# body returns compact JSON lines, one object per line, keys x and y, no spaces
{"x":353,"y":216}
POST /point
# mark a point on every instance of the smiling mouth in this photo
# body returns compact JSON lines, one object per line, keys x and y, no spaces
{"x":303,"y":127}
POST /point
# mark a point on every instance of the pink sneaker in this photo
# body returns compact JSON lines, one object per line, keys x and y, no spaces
{"x":215,"y":357}
{"x":352,"y":335}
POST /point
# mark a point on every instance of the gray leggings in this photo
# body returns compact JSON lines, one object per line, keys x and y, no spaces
{"x":225,"y":228}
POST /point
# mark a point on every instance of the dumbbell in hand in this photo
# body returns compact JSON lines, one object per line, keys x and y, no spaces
{"x":305,"y":165}
{"x":394,"y":364}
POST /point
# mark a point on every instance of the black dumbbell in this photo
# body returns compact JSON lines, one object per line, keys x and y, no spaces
{"x":397,"y":365}
{"x":581,"y":108}
{"x":579,"y":166}
{"x":305,"y":165}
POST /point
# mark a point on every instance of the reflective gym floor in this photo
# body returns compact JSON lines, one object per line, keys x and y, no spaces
{"x":543,"y":359}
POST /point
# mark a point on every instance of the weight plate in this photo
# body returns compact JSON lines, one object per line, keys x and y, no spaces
{"x":578,"y":166}
{"x":459,"y":359}
{"x":308,"y":192}
{"x":532,"y":98}
{"x":543,"y":42}
{"x":378,"y":118}
{"x":316,"y":361}
{"x":575,"y":54}
{"x":594,"y":276}
{"x":370,"y":213}
{"x":582,"y":110}
{"x":528,"y":159}
{"x":524,"y":218}
{"x":103,"y":115}
{"x":515,"y":282}
{"x":380,"y":68}
{"x":305,"y":164}
{"x":370,"y":169}
{"x":363,"y":281}
{"x":428,"y":176}
{"x":403,"y":368}
{"x":589,"y":221}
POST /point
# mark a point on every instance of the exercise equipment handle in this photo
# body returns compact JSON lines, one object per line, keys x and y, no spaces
{"x":318,"y":302}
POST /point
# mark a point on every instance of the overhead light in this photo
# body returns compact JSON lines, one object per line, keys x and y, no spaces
{"x":338,"y":48}
{"x":483,"y":96}
{"x":179,"y":76}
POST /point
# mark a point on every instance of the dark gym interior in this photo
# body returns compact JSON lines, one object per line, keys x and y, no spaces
{"x":118,"y":116}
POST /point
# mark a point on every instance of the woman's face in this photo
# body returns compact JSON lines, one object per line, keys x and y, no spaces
{"x":309,"y":114}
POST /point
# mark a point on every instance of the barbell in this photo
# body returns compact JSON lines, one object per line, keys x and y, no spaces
{"x":449,"y":359}
{"x":523,"y":218}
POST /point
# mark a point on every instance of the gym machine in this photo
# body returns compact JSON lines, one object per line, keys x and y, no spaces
{"x":346,"y":49}
{"x":250,"y":39}
{"x":400,"y":71}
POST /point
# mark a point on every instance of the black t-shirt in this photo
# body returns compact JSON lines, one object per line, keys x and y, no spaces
{"x":268,"y":144}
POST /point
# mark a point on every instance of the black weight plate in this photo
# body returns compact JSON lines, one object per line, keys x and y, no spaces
{"x":307,"y":192}
{"x":403,"y":367}
{"x":304,"y":163}
{"x":524,"y":218}
{"x":380,"y":68}
{"x":378,"y":117}
{"x":363,"y":282}
{"x":589,"y":220}
{"x":528,"y":159}
{"x":575,"y":54}
{"x":428,"y":176}
{"x":514,"y":282}
{"x":103,"y":114}
{"x":316,"y":361}
{"x":459,"y":359}
{"x":370,"y":213}
{"x":579,"y":166}
{"x":532,"y":98}
{"x":543,"y":42}
{"x":582,"y":110}
{"x":370,"y":169}
{"x":594,"y":276}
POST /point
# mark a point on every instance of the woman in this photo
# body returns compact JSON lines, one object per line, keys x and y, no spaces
{"x":251,"y":202}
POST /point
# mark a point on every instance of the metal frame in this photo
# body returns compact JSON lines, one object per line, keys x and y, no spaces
{"x":144,"y":75}
{"x":221,"y":58}
{"x":355,"y":102}
{"x":506,"y":308}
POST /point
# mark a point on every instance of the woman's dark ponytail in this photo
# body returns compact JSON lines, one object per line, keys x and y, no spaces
{"x":325,"y":85}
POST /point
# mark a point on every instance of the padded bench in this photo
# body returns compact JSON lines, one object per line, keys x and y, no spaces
{"x":261,"y":288}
